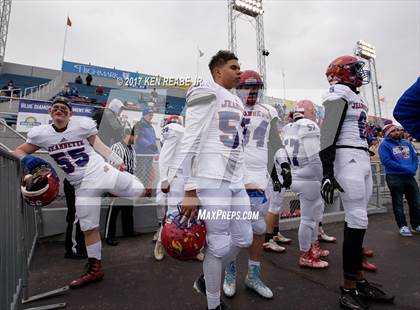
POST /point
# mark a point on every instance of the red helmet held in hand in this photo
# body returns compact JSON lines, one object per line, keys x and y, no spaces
{"x":347,"y":70}
{"x":41,"y":187}
{"x":181,"y":240}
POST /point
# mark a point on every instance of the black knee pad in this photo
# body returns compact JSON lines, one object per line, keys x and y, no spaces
{"x":352,"y":251}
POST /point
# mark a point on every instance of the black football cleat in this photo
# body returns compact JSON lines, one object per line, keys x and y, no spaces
{"x":351,"y":299}
{"x":200,"y":287}
{"x":372,"y":293}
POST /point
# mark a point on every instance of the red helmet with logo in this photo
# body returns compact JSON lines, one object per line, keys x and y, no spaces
{"x":249,"y":87}
{"x":41,"y":187}
{"x":347,"y":70}
{"x":182,"y":241}
{"x":173,"y":119}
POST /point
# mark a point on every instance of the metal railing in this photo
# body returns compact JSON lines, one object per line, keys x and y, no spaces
{"x":18,"y":234}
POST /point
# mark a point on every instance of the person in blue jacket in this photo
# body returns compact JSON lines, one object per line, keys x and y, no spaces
{"x":407,"y":110}
{"x":145,"y":145}
{"x":400,"y":160}
{"x":146,"y":136}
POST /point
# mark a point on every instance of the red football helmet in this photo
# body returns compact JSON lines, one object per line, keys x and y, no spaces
{"x":41,"y":187}
{"x":182,"y":241}
{"x":173,"y":119}
{"x":308,"y":108}
{"x":249,"y":87}
{"x":348,"y":70}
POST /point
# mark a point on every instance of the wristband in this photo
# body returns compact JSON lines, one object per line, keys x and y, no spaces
{"x":114,"y":159}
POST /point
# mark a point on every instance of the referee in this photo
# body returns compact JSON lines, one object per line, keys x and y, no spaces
{"x":126,"y":151}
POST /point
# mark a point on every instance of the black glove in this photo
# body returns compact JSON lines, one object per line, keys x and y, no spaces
{"x":329,"y":184}
{"x":276,"y":186}
{"x":286,"y":173}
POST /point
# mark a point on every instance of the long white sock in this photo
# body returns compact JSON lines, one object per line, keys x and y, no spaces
{"x":230,"y":256}
{"x":212,"y":267}
{"x":94,"y":250}
{"x":315,"y":232}
{"x":305,"y":237}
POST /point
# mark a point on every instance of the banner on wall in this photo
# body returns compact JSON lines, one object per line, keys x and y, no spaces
{"x":33,"y":113}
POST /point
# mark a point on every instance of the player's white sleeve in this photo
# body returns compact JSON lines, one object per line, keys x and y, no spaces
{"x":201,"y":106}
{"x":167,"y":154}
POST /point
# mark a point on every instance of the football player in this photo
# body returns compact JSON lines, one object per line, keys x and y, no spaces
{"x":213,"y":170}
{"x":261,"y":142}
{"x":301,"y":141}
{"x":74,"y":145}
{"x":346,"y":168}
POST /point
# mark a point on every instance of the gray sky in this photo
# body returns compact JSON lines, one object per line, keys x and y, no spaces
{"x":161,"y":37}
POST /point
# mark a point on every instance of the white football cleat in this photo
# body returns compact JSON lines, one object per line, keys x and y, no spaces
{"x":200,"y":256}
{"x":229,"y":284}
{"x":253,"y":282}
{"x":279,"y":238}
{"x":159,"y":251}
{"x":322,"y":236}
{"x":272,"y":246}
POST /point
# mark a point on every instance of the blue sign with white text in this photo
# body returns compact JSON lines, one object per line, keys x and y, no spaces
{"x":124,"y":78}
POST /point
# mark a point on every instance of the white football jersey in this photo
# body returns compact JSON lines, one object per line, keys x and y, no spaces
{"x":257,"y":121}
{"x":70,"y":149}
{"x":353,"y":131}
{"x":214,"y":133}
{"x":294,"y":137}
{"x":170,"y":156}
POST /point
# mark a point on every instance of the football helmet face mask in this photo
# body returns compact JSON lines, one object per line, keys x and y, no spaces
{"x":347,"y":70}
{"x":181,"y":240}
{"x":41,"y":186}
{"x":249,"y":87}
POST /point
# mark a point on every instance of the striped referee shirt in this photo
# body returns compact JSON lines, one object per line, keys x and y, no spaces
{"x":128,"y":155}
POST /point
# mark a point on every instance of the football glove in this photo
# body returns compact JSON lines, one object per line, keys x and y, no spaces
{"x":329,"y":184}
{"x":286,"y":173}
{"x":276,"y":186}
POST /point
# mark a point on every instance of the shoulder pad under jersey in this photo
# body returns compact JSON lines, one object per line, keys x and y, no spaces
{"x":86,"y":125}
{"x":338,"y":91}
{"x":272,"y":110}
{"x":36,"y":134}
{"x":307,"y":128}
{"x":200,"y":94}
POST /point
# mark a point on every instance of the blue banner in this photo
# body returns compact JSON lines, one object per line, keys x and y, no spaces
{"x":41,"y":107}
{"x":123,"y":78}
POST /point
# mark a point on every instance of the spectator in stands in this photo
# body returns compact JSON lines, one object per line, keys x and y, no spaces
{"x":88,"y":80}
{"x":99,"y":90}
{"x":110,"y":129}
{"x":9,"y":89}
{"x":78,"y":80}
{"x":154,"y":95}
{"x":146,"y":144}
{"x":400,"y":160}
{"x":65,"y":92}
{"x":407,"y":110}
{"x":126,"y":151}
{"x":75,"y":239}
